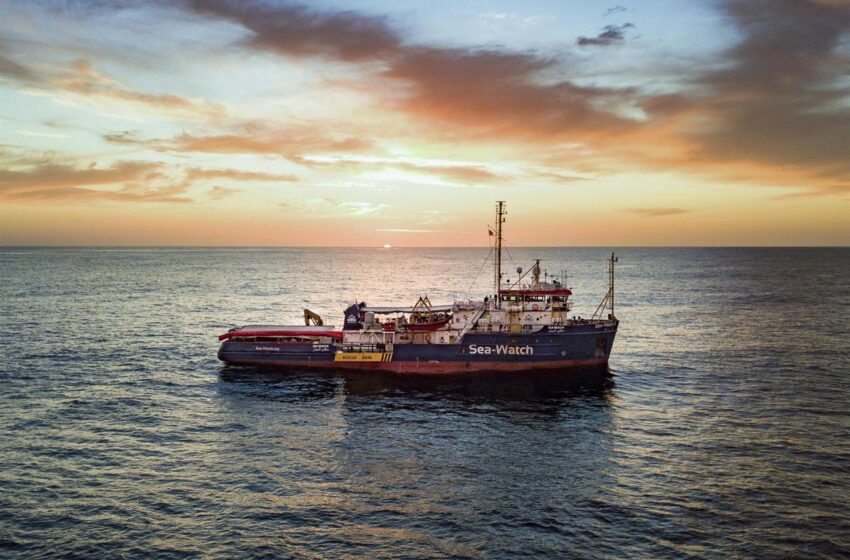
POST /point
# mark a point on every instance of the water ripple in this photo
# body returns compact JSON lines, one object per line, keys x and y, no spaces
{"x":720,"y":431}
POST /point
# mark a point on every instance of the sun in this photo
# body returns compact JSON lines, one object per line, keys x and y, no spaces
{"x":387,"y":246}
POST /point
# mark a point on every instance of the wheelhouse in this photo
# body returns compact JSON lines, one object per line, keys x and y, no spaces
{"x":543,"y":299}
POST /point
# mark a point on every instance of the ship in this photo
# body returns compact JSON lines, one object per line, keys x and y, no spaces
{"x":524,"y":325}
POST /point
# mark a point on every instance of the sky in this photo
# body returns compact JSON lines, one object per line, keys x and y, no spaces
{"x":370,"y":122}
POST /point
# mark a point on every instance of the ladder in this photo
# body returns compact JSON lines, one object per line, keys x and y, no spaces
{"x":473,"y":322}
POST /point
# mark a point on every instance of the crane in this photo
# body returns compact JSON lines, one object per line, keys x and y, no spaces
{"x":312,"y":318}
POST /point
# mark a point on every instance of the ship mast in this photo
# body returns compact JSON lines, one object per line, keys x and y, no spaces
{"x":500,"y":219}
{"x":611,"y":281}
{"x":608,"y":300}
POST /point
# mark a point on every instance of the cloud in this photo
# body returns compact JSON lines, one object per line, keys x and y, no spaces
{"x":126,"y":137}
{"x":355,"y":207}
{"x":771,"y":109}
{"x":12,"y":156}
{"x":407,"y":230}
{"x":475,"y":92}
{"x":771,"y":105}
{"x":11,"y":69}
{"x":610,"y":34}
{"x":194,"y":173}
{"x":84,"y":80}
{"x":496,"y":16}
{"x":283,"y":144}
{"x":615,"y":10}
{"x":219,"y":192}
{"x":656,"y":212}
{"x":49,"y":175}
{"x":503,"y":19}
{"x":37,"y":134}
{"x":289,"y":144}
{"x":463,"y":172}
{"x":455,"y":171}
{"x":826,"y":190}
{"x":126,"y":181}
{"x":559,"y":177}
{"x":499,"y":94}
{"x":41,"y":176}
{"x":81,"y":80}
{"x":225,"y":144}
{"x":129,"y":194}
{"x":293,"y":30}
{"x":252,"y":138}
{"x":777,"y":99}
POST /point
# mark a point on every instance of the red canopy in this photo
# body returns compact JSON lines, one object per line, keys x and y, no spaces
{"x":337,"y":335}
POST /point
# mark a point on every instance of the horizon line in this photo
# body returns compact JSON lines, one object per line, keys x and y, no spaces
{"x":422,"y":247}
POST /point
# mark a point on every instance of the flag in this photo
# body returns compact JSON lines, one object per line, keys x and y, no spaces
{"x":490,"y":231}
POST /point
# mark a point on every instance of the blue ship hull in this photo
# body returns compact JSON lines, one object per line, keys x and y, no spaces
{"x":554,"y":347}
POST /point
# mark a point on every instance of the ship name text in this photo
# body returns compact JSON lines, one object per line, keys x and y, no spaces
{"x":501,"y":349}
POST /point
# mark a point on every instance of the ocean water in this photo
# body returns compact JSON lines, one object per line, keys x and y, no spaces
{"x":721,"y":430}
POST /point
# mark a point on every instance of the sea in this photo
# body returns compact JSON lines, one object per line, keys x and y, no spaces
{"x":720,"y":429}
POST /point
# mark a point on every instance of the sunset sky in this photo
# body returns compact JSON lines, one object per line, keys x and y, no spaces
{"x":651,"y":122}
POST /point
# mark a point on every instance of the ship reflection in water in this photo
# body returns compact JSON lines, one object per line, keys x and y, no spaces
{"x":532,"y":387}
{"x":461,"y":466}
{"x":550,"y":387}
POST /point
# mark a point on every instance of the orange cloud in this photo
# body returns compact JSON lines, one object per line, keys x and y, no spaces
{"x":55,"y":175}
{"x":773,"y":113}
{"x":490,"y":91}
{"x":85,"y":81}
{"x":250,"y":139}
{"x":42,"y":177}
{"x":656,"y":212}
{"x":826,"y":190}
{"x":466,"y":173}
{"x":137,"y":182}
{"x":776,"y":100}
{"x":280,"y":143}
{"x":82,"y":80}
{"x":193,"y":173}
{"x":497,"y":94}
{"x":219,"y":192}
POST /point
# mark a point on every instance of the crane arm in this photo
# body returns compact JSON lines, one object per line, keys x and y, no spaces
{"x":312,"y":318}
